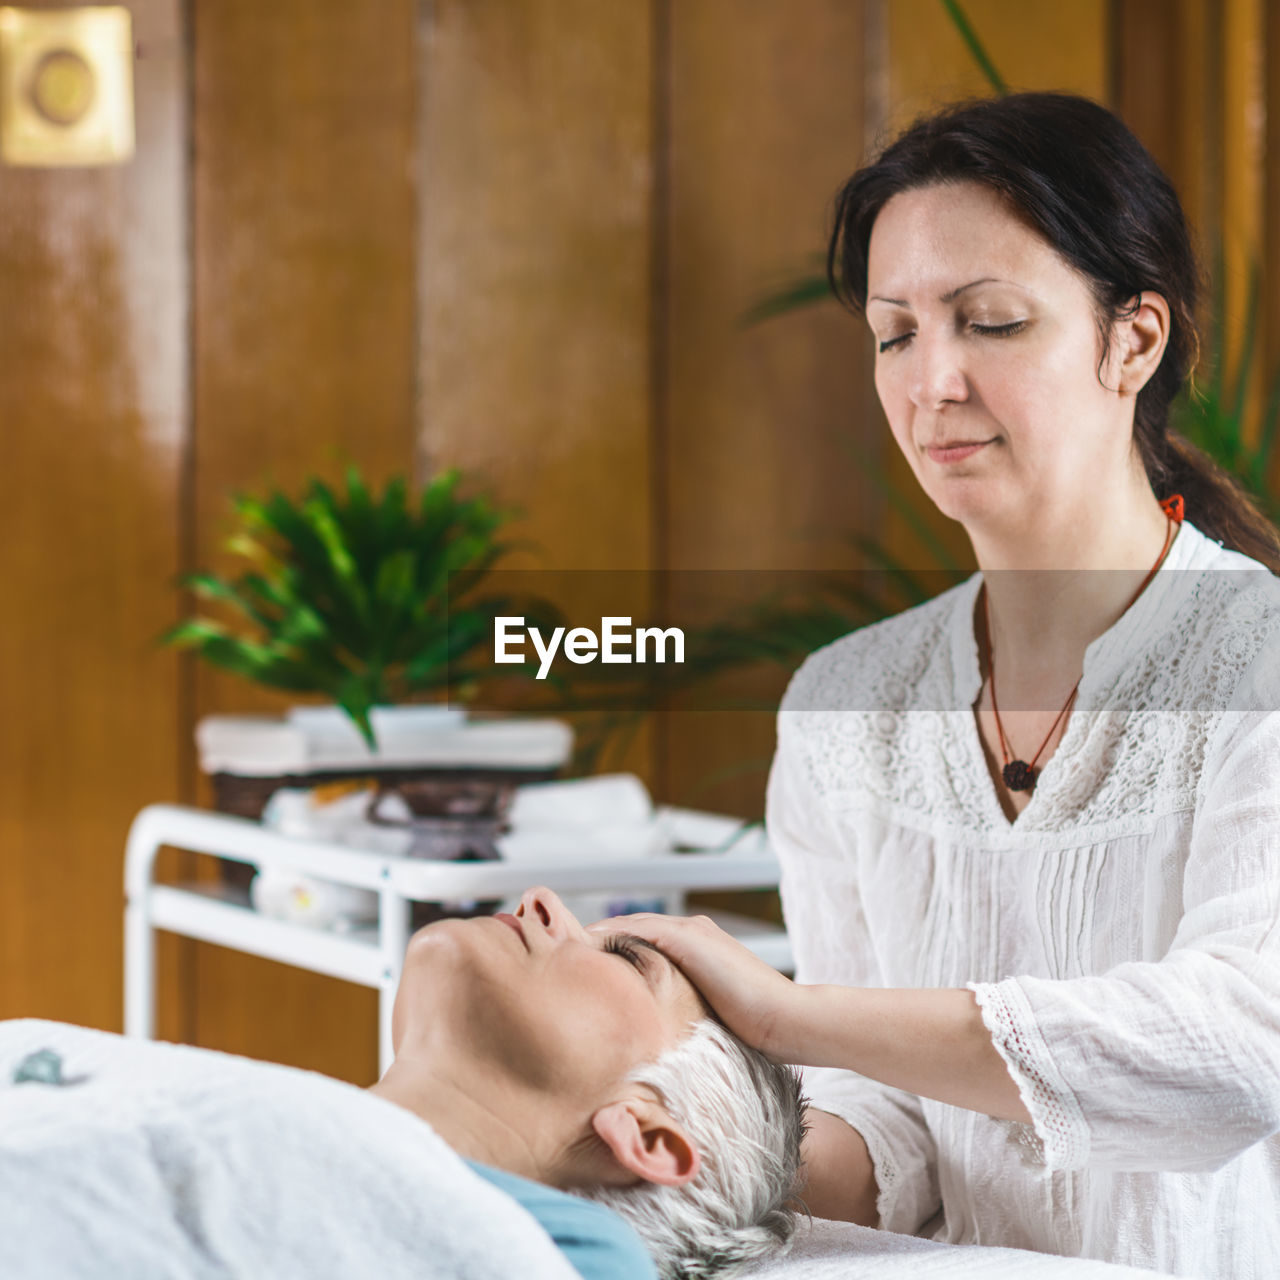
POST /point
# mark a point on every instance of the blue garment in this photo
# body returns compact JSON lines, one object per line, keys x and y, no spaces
{"x":599,"y":1244}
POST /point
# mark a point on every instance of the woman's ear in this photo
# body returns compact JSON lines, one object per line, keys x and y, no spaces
{"x":1143,"y":336}
{"x":647,"y":1142}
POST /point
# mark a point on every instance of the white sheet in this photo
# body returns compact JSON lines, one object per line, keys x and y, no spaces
{"x":842,"y":1251}
{"x":167,"y":1161}
{"x":161,"y":1160}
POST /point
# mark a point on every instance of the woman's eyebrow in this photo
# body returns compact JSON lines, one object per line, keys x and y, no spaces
{"x":656,"y":950}
{"x":674,"y":972}
{"x":946,"y":297}
{"x":651,"y":974}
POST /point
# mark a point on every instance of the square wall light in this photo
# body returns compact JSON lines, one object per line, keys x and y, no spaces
{"x":66,"y":86}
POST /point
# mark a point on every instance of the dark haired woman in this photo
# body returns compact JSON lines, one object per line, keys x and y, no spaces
{"x":1030,"y":830}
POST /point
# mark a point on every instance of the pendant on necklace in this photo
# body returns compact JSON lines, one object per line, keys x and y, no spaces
{"x":1018,"y":775}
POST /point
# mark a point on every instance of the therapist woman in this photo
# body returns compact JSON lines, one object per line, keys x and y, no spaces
{"x":1030,"y":830}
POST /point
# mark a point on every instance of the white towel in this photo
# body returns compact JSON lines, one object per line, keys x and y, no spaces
{"x":607,"y":799}
{"x":313,"y":814}
{"x":262,"y":746}
{"x":159,"y":1161}
{"x":282,"y":894}
{"x":605,"y":818}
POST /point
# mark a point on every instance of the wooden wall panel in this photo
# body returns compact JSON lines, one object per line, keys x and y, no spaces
{"x":93,"y":404}
{"x":1243,"y":134}
{"x":304,"y":324}
{"x":1271,"y":190}
{"x":760,"y":427}
{"x":1032,"y":46}
{"x":537,"y":157}
{"x":1166,"y":87}
{"x":1196,"y":80}
{"x":766,"y":121}
{"x":536,"y":151}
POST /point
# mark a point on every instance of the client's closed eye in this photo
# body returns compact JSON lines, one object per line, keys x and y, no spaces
{"x":619,"y":944}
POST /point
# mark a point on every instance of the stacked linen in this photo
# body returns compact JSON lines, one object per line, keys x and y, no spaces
{"x":334,"y":814}
{"x":314,"y":739}
{"x":608,"y":818}
{"x":612,"y":816}
{"x":592,"y":819}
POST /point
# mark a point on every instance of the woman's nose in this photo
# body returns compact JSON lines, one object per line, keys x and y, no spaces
{"x":937,"y":373}
{"x":542,"y":906}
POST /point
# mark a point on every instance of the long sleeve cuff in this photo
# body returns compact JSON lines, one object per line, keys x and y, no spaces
{"x":1165,"y":1066}
{"x":1058,"y":1137}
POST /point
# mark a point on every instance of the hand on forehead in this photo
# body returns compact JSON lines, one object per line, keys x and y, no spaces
{"x":748,"y":995}
{"x":543,"y":912}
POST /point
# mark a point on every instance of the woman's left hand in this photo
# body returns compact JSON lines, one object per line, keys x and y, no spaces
{"x":754,"y":1000}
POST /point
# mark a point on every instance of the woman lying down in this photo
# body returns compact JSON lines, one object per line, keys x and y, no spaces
{"x":531,"y":1060}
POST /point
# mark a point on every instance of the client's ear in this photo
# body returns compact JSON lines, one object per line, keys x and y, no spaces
{"x":647,"y":1141}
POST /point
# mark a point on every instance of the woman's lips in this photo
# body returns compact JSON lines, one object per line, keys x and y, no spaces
{"x":955,"y":453}
{"x":511,"y":922}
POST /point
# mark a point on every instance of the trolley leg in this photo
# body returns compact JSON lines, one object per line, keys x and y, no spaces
{"x":393,"y":935}
{"x":146,"y":834}
{"x":139,"y":972}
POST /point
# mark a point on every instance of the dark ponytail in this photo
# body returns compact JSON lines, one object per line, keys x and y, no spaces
{"x":1080,"y":177}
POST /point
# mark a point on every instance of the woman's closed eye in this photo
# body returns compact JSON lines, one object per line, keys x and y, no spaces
{"x":621,"y":944}
{"x":999,"y":330}
{"x":987,"y":330}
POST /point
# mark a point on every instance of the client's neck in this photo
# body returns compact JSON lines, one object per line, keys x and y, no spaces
{"x":480,"y":1115}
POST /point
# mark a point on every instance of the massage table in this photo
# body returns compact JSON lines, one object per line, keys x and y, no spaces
{"x":149,"y":1160}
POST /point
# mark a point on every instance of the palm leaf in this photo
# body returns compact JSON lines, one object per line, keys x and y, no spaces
{"x":364,"y":598}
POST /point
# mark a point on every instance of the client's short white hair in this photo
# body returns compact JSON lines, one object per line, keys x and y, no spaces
{"x":745,"y":1114}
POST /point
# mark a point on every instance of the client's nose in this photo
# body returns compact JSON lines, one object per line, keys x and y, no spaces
{"x":542,"y":905}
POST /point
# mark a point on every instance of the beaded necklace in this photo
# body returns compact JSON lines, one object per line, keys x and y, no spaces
{"x":1020,"y":775}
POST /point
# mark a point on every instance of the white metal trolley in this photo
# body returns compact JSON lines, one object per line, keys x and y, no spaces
{"x":372,"y":956}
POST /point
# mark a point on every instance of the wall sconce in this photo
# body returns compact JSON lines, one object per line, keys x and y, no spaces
{"x":66,"y":86}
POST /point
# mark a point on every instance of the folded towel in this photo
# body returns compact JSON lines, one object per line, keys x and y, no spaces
{"x":262,"y":746}
{"x":319,"y":904}
{"x":608,"y":799}
{"x":601,"y":819}
{"x":693,"y":829}
{"x":602,"y":843}
{"x":155,"y":1160}
{"x":336,"y":814}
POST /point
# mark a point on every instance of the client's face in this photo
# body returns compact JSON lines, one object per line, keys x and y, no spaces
{"x":533,"y":994}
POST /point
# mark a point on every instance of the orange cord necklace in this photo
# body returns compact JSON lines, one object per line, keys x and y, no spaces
{"x":1019,"y":775}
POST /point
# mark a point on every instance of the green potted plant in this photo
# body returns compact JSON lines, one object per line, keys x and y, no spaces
{"x":370,"y":600}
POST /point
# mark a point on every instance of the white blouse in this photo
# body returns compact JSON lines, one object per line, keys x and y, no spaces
{"x":1122,"y":934}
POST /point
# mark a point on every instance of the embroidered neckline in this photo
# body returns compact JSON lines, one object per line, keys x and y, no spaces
{"x":1104,"y":654}
{"x":885,"y":715}
{"x":1104,"y":658}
